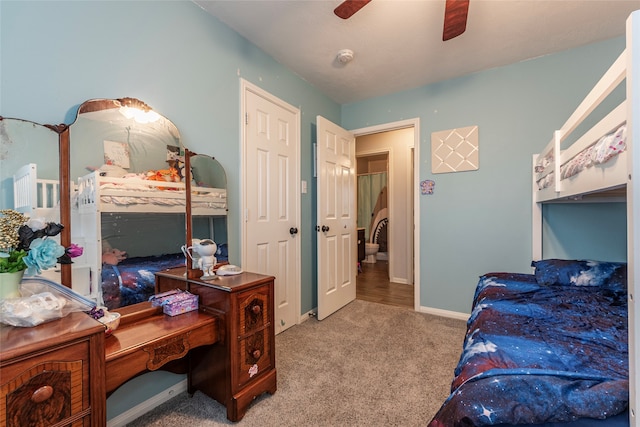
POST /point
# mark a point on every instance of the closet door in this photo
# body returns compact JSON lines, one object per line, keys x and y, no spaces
{"x":271,"y":243}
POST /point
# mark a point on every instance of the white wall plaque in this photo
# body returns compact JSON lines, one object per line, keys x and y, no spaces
{"x":454,"y":150}
{"x":116,"y":153}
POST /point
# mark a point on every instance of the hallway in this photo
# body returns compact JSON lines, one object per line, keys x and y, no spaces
{"x":373,"y":285}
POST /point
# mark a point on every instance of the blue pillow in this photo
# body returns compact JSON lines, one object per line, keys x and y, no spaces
{"x":580,"y":273}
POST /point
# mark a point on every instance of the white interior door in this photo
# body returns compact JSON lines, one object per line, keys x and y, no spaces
{"x":271,"y":199}
{"x":337,"y":217}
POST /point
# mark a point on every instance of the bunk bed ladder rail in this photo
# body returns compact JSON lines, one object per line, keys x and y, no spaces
{"x":87,"y":192}
{"x":24,"y":189}
{"x":633,"y":211}
{"x":558,"y":136}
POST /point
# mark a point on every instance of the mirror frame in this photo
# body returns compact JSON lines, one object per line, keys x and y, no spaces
{"x":64,"y":187}
{"x":192,"y":273}
{"x":65,"y":195}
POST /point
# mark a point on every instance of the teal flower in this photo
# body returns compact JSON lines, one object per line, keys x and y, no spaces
{"x":21,"y":235}
{"x":43,"y":254}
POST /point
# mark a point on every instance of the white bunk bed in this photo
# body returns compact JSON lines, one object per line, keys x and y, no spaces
{"x":98,"y":193}
{"x":608,"y":181}
{"x":33,"y":196}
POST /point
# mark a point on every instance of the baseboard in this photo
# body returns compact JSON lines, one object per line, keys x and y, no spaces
{"x":146,"y":406}
{"x":444,"y":313}
{"x":399,"y":280}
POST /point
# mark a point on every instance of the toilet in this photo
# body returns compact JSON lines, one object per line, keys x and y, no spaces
{"x":370,"y":251}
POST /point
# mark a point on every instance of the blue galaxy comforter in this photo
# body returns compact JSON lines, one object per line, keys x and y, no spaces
{"x":133,"y":280}
{"x":537,"y":353}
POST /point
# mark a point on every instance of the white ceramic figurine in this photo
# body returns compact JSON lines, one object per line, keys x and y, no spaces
{"x":206,"y":248}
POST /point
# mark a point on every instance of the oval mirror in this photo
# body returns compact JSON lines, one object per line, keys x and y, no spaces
{"x":128,"y":207}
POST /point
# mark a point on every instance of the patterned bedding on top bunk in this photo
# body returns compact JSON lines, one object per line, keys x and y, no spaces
{"x":549,"y":347}
{"x":154,"y":187}
{"x":146,"y":195}
{"x":601,"y":152}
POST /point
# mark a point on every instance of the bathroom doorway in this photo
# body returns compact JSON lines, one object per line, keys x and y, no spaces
{"x":373,"y":217}
{"x":384,"y":171}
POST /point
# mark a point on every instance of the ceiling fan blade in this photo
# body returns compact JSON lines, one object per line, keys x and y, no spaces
{"x":455,"y":18}
{"x":347,"y":8}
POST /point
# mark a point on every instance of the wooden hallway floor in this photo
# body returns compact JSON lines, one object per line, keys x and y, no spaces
{"x":373,"y":285}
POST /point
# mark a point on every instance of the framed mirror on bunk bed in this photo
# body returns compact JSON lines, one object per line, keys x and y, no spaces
{"x":115,"y":178}
{"x":132,"y":204}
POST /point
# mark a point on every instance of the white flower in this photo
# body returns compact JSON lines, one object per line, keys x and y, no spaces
{"x":36,"y":223}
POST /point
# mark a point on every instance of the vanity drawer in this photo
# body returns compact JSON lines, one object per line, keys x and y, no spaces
{"x":48,"y":388}
{"x":254,"y":310}
{"x":53,"y":374}
{"x":255,"y":356}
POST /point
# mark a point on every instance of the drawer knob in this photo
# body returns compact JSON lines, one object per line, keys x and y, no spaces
{"x":256,"y":309}
{"x":256,"y":354}
{"x":42,"y":394}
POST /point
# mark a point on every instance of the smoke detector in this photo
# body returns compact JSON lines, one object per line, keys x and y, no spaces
{"x":344,"y":56}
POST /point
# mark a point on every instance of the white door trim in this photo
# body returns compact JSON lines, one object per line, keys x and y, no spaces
{"x":415,"y":123}
{"x":246,"y":86}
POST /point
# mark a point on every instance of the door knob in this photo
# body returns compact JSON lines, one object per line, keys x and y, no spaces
{"x":325,"y":228}
{"x":293,"y":231}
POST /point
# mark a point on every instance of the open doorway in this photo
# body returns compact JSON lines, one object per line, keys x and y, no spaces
{"x":385,"y":216}
{"x":372,"y":199}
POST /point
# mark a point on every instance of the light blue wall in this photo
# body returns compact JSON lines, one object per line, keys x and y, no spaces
{"x":478,"y":222}
{"x":599,"y":233}
{"x":172,"y":55}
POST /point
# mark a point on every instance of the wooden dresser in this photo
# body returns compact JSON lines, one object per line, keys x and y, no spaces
{"x":53,"y":374}
{"x":242,"y":365}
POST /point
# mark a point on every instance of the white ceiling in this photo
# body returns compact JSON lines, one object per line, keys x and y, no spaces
{"x":398,"y":45}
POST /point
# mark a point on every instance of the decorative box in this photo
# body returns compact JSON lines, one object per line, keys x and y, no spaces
{"x":175,"y":302}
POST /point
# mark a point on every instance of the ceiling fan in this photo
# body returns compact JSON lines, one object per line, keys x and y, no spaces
{"x":455,"y":15}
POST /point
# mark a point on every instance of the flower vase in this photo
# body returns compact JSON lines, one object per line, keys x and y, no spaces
{"x":10,"y":284}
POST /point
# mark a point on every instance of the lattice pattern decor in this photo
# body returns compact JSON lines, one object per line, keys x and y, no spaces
{"x":454,"y":150}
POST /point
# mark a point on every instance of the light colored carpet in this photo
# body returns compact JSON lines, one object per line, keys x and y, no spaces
{"x":366,"y":365}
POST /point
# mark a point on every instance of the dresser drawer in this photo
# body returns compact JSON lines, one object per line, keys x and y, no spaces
{"x":255,"y":356}
{"x":253,"y":310}
{"x":53,"y":373}
{"x":47,"y":388}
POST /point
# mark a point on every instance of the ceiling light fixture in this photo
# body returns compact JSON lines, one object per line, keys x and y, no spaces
{"x":344,"y":56}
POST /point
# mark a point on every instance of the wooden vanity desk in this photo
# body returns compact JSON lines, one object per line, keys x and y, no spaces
{"x":60,"y":372}
{"x":242,"y":365}
{"x":147,"y":339}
